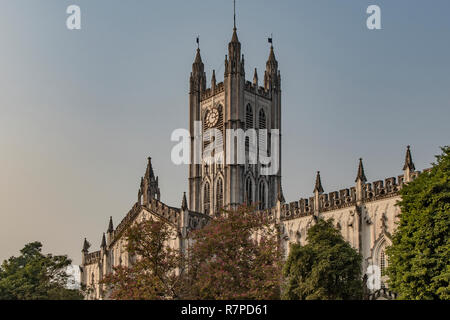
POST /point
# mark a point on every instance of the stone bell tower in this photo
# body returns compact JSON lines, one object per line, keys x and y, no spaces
{"x":215,"y":182}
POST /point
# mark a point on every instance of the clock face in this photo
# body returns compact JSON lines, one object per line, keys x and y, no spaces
{"x":212,"y":118}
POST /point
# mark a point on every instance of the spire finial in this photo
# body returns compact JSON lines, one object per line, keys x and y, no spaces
{"x":86,"y":245}
{"x":103,"y":245}
{"x":110,"y":226}
{"x":149,"y":174}
{"x":255,"y":78}
{"x":318,"y":187}
{"x":361,"y":176}
{"x":184,"y":205}
{"x":408,"y":160}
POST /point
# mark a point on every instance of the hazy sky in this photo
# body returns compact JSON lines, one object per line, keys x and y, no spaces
{"x":80,"y":111}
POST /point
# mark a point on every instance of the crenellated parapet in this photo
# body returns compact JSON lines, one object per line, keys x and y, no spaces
{"x":343,"y":198}
{"x":297,"y":209}
{"x":170,"y":214}
{"x":381,"y":189}
{"x":325,"y":202}
{"x":337,"y":199}
{"x":258,"y":90}
{"x":210,"y":92}
{"x":197,"y":220}
{"x":93,"y":257}
{"x":270,"y":214}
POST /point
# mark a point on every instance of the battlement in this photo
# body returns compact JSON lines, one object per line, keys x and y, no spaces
{"x":270,"y":214}
{"x":208,"y":93}
{"x":337,"y":199}
{"x":93,"y":257}
{"x":379,"y":189}
{"x":170,"y":214}
{"x":249,"y":87}
{"x":297,"y":209}
{"x":343,"y":198}
{"x":260,"y":91}
{"x":197,"y":220}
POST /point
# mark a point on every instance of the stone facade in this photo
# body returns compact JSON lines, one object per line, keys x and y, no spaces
{"x":366,"y":213}
{"x":236,"y":104}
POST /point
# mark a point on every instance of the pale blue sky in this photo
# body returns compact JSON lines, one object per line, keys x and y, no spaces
{"x":80,"y":111}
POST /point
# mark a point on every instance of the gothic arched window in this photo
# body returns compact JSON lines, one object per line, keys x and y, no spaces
{"x":249,"y":191}
{"x":206,"y":199}
{"x":262,"y":195}
{"x":262,"y":119}
{"x":249,"y":117}
{"x":219,"y":195}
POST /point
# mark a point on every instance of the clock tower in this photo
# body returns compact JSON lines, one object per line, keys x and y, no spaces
{"x":233,"y":104}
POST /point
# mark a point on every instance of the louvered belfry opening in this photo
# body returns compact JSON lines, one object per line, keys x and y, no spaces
{"x":262,"y":124}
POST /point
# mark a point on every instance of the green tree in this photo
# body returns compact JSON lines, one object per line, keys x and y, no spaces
{"x":235,"y":256}
{"x":35,"y":276}
{"x":326,"y":268}
{"x":419,"y":258}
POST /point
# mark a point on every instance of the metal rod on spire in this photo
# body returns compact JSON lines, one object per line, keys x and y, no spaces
{"x":234,"y":12}
{"x":198,"y":42}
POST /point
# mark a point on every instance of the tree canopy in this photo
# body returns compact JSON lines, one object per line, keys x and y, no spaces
{"x":156,"y":272}
{"x":235,"y":256}
{"x":35,"y":276}
{"x":224,"y":261}
{"x":419,"y":258}
{"x":326,"y":268}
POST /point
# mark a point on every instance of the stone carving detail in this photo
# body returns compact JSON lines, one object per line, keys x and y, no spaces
{"x":367,"y":218}
{"x":351,"y":219}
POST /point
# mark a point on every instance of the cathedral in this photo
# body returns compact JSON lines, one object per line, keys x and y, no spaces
{"x":365,"y":213}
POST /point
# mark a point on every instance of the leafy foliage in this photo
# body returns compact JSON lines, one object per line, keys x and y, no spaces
{"x":227,"y":260}
{"x":326,"y":268}
{"x":419,"y":258}
{"x":154,"y":274}
{"x":224,"y":261}
{"x":35,"y":276}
